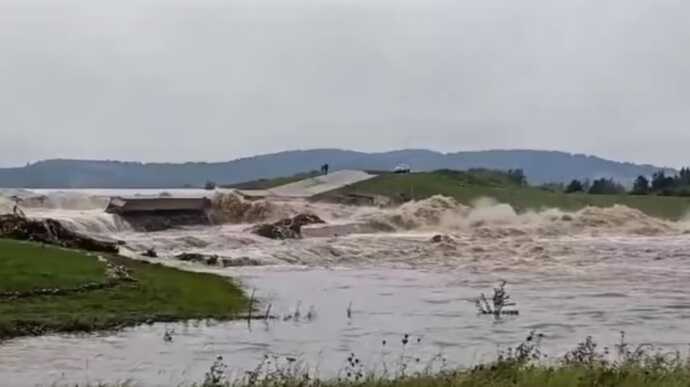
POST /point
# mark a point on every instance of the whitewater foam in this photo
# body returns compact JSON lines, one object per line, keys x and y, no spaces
{"x":485,"y":230}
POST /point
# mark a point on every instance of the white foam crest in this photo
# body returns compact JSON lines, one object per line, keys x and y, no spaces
{"x":233,"y":208}
{"x":6,"y":205}
{"x":55,"y":200}
{"x":439,"y":213}
{"x":230,"y":207}
{"x":95,"y":222}
{"x":485,"y":230}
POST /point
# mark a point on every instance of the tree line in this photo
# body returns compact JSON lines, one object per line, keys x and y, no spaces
{"x":659,"y":184}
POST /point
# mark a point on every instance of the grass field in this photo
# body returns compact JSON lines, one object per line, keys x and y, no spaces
{"x":29,"y":266}
{"x":469,"y":186}
{"x":159,"y":293}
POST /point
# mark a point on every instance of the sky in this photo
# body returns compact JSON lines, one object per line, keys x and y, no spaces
{"x":171,"y":80}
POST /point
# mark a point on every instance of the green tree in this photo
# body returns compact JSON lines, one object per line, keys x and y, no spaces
{"x":518,"y":177}
{"x":574,"y":186}
{"x":605,"y":187}
{"x":661,"y":182}
{"x":553,"y":187}
{"x":640,"y":186}
{"x":683,"y":178}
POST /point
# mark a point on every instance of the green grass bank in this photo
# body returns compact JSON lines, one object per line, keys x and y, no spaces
{"x":46,"y":289}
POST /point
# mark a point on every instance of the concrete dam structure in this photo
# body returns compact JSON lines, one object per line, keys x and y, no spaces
{"x":161,"y":213}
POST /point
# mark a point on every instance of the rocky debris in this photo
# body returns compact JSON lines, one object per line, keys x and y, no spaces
{"x":52,"y":232}
{"x":272,"y":231}
{"x":306,"y":219}
{"x":445,"y":243}
{"x":236,"y":262}
{"x":151,"y":253}
{"x":288,"y":228}
{"x":211,"y":260}
{"x":191,"y":257}
{"x":442,"y":239}
{"x":215,"y":260}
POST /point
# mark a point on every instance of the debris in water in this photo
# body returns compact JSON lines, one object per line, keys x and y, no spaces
{"x":268,"y":312}
{"x":297,"y":311}
{"x":151,"y":253}
{"x":500,"y":300}
{"x":311,"y":314}
{"x":168,"y":335}
{"x":288,"y":228}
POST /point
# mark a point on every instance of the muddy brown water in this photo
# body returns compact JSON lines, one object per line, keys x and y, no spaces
{"x":594,"y":281}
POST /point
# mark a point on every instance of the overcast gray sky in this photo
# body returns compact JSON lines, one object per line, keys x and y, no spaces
{"x":170,"y":80}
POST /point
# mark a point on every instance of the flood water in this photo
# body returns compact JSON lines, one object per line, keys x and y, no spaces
{"x":592,"y":273}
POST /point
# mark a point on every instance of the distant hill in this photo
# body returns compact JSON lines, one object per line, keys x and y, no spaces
{"x":540,"y":167}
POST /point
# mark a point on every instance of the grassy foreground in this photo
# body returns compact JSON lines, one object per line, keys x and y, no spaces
{"x":578,"y":376}
{"x":495,"y":375}
{"x":469,"y":186}
{"x":85,"y":298}
{"x":575,"y":376}
{"x":625,"y":365}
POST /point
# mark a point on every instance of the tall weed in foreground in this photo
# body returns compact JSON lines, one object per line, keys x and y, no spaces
{"x":586,"y":365}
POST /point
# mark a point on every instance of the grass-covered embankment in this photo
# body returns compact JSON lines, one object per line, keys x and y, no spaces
{"x":466,"y":187}
{"x":85,"y":298}
{"x":262,"y":184}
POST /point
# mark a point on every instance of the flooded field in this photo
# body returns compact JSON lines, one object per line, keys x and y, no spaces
{"x":372,"y":275}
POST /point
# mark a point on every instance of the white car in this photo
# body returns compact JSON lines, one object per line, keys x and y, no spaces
{"x":402,"y":168}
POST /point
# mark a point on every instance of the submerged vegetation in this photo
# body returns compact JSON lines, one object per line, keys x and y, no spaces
{"x":47,"y":289}
{"x":497,"y":304}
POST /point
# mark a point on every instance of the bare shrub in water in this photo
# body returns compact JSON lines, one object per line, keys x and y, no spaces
{"x":274,"y":370}
{"x":528,"y":351}
{"x":353,"y":370}
{"x":498,"y":302}
{"x":586,"y":354}
{"x":216,"y":375}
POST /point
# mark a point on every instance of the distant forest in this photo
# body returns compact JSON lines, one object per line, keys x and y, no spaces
{"x":661,"y":184}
